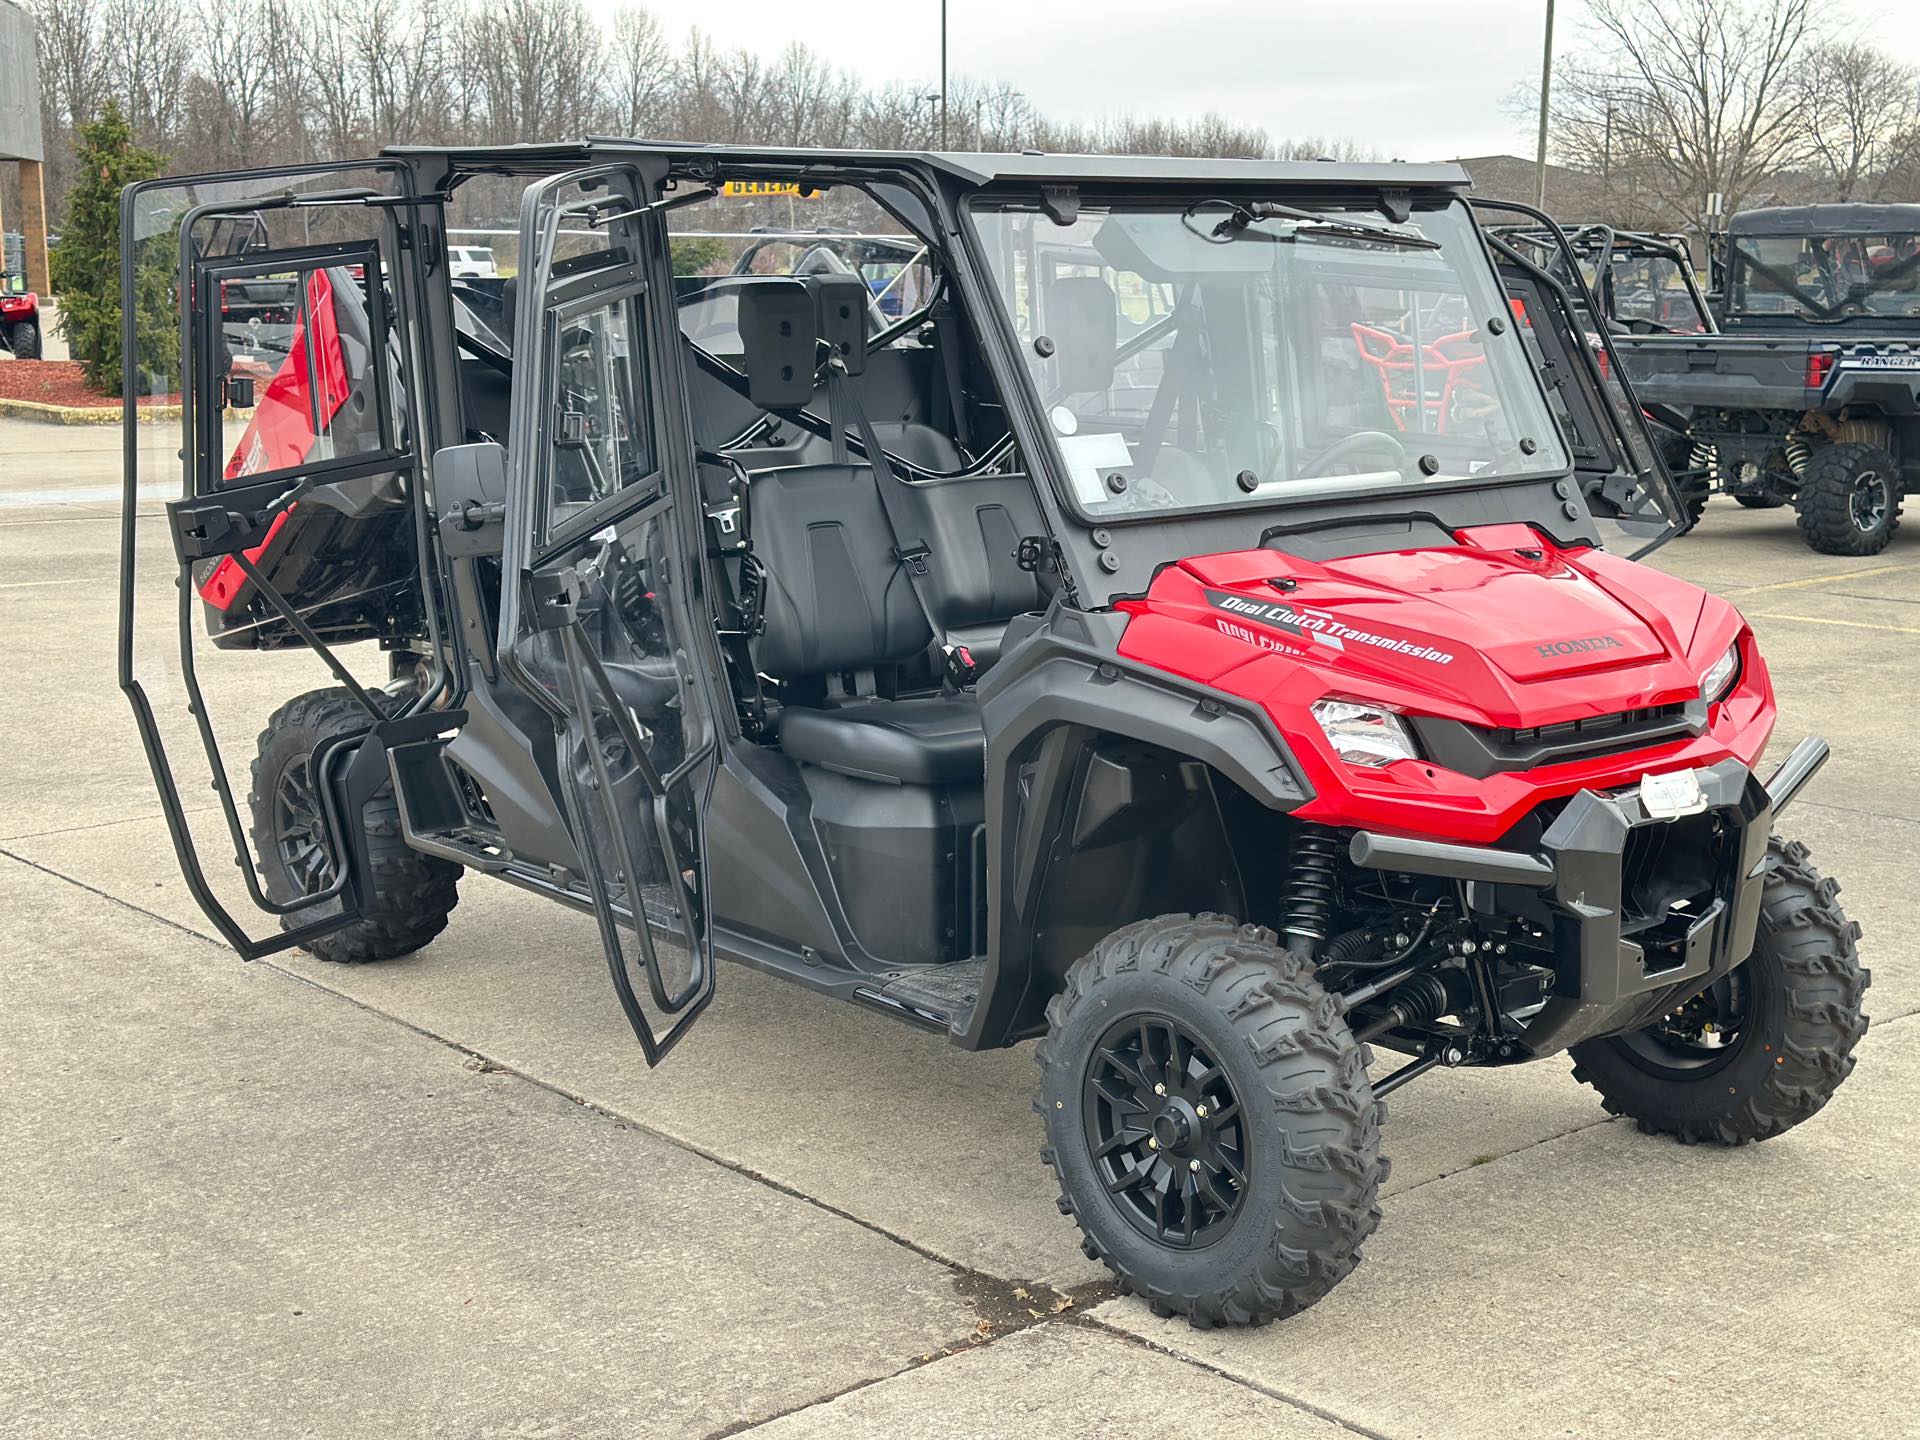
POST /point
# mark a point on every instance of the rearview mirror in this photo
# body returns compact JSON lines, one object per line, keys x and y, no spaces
{"x":470,"y":492}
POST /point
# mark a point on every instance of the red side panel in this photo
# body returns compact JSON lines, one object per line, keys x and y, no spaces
{"x":221,"y":588}
{"x":281,"y":433}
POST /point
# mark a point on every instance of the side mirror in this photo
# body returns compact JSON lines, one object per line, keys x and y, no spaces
{"x":470,"y":496}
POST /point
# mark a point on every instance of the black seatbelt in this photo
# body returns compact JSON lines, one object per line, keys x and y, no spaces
{"x":957,"y":660}
{"x":953,"y":412}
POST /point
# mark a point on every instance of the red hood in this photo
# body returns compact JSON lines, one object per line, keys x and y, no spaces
{"x":1503,"y":628}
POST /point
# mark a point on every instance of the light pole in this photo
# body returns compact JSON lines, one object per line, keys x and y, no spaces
{"x":943,"y":74}
{"x":1546,"y":94}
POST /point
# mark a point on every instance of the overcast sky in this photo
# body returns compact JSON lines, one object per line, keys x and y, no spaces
{"x":1413,"y":79}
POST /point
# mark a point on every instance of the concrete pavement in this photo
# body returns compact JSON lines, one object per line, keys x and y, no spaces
{"x":810,"y":1218}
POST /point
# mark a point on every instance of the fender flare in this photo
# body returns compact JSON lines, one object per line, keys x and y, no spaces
{"x":1068,"y":675}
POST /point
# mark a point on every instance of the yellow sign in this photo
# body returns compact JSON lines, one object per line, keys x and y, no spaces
{"x":743,"y":189}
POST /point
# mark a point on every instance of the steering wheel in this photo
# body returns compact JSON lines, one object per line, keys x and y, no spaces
{"x":1358,"y":443}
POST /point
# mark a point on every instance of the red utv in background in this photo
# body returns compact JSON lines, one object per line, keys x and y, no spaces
{"x":20,"y":325}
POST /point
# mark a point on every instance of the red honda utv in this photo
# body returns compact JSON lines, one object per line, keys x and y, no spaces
{"x":19,"y":322}
{"x":1200,"y":635}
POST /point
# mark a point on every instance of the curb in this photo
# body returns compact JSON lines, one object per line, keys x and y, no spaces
{"x":82,"y":414}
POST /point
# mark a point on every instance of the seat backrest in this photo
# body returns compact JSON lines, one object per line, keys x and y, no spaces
{"x":837,"y":598}
{"x":973,"y":528}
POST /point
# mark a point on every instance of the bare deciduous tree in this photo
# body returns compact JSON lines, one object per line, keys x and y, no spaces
{"x":1689,"y":99}
{"x":642,"y":73}
{"x":217,"y":86}
{"x":1861,"y":109}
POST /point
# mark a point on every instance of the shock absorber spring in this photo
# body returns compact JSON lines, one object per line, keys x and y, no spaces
{"x":1706,"y":459}
{"x":1799,"y":451}
{"x":1312,"y":861}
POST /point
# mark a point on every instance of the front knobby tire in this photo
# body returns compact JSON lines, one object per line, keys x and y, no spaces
{"x":413,"y":894}
{"x":1849,"y":499}
{"x":25,"y":340}
{"x":1762,"y":1049}
{"x":1218,"y":1015}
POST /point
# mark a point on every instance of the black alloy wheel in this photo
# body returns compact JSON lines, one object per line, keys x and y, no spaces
{"x":1703,"y":1036}
{"x":1166,"y":1131}
{"x":299,"y":832}
{"x":1868,"y":504}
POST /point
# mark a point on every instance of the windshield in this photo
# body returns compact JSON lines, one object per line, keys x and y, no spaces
{"x":1825,"y":277}
{"x":1225,"y":353}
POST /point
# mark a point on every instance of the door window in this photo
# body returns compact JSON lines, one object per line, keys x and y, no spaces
{"x":296,"y":370}
{"x":600,"y":439}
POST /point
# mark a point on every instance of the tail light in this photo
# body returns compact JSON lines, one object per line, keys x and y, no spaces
{"x":1819,"y":367}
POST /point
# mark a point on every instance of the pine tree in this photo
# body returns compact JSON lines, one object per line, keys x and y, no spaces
{"x":86,"y":263}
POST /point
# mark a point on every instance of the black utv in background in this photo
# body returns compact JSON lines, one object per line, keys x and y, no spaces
{"x":1809,"y":394}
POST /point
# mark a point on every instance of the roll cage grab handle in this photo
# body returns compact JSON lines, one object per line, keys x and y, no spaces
{"x":1610,"y":238}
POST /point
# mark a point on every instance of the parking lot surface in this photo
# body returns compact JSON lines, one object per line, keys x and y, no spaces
{"x":446,"y":1196}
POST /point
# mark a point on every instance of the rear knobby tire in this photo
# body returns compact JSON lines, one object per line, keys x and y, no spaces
{"x":1803,"y":986}
{"x":1311,"y":1147}
{"x":412,"y":893}
{"x":1849,"y":499}
{"x":24,"y":338}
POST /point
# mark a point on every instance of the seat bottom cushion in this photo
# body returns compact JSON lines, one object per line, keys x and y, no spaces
{"x":933,"y":741}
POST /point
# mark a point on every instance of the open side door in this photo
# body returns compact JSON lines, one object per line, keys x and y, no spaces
{"x":1619,"y":466}
{"x":603,"y":582}
{"x":300,"y":517}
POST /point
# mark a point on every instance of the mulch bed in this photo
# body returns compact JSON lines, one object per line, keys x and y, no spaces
{"x":60,"y":382}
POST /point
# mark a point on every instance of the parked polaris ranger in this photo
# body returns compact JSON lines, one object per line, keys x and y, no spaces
{"x":1809,"y":395}
{"x":1183,"y":638}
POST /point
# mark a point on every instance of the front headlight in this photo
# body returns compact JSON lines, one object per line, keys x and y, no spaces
{"x":1363,"y":734}
{"x":1720,"y":676}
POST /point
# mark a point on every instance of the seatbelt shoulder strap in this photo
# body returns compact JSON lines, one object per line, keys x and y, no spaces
{"x":915,"y":556}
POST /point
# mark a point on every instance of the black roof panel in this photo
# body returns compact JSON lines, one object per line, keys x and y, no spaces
{"x":984,"y":169}
{"x":1845,"y":219}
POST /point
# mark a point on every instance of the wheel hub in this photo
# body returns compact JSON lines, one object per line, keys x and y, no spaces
{"x":1176,"y":1126}
{"x":1164,"y":1127}
{"x":1869,"y":502}
{"x":1696,"y":1038}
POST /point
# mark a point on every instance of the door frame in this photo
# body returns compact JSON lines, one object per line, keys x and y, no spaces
{"x":540,"y":592}
{"x":209,"y":522}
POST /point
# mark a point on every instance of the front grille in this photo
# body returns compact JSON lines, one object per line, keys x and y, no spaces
{"x":1595,"y":733}
{"x":1481,"y":751}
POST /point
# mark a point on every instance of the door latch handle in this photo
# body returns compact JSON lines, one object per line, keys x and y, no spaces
{"x":553,"y":598}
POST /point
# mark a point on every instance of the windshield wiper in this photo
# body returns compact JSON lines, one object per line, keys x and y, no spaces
{"x":1240,"y":217}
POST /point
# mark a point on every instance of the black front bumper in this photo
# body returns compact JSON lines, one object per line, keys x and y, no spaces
{"x":1638,"y":913}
